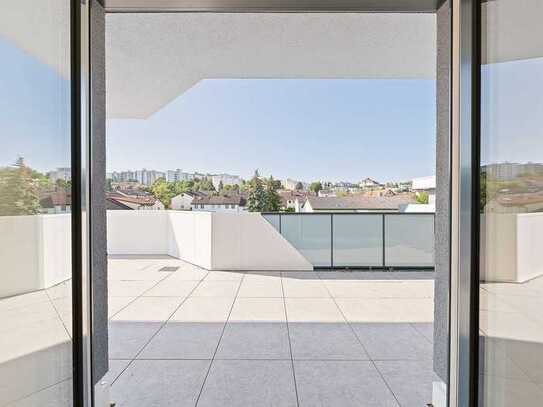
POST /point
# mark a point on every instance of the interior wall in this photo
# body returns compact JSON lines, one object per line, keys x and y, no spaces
{"x":442,"y":222}
{"x":98,"y":199}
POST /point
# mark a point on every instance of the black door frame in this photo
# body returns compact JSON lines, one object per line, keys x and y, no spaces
{"x":81,"y":237}
{"x":465,"y":216}
{"x":465,"y":161}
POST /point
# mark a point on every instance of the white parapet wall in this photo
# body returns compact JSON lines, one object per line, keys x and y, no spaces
{"x":35,"y":252}
{"x":213,"y":240}
{"x":247,"y":241}
{"x":511,"y":245}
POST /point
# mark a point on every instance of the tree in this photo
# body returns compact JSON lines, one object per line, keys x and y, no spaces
{"x":19,"y":193}
{"x":221,"y":186}
{"x":178,"y":187}
{"x":204,"y":184}
{"x":315,"y":187}
{"x":160,"y":189}
{"x":299,"y":186}
{"x":256,"y":201}
{"x":273,"y":200}
{"x":422,"y":197}
{"x":63,"y":184}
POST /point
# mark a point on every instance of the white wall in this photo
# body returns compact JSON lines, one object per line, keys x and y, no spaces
{"x":213,"y":240}
{"x":529,"y":245}
{"x":424,"y":208}
{"x":137,"y":232}
{"x":247,"y":241}
{"x":35,"y":252}
{"x":189,"y":237}
{"x":511,"y":246}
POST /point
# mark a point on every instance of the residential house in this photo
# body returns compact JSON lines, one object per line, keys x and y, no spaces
{"x":57,"y":201}
{"x":291,"y":184}
{"x":428,"y":185}
{"x":220,"y":203}
{"x":293,"y":200}
{"x":120,"y":200}
{"x":183,"y":201}
{"x":369,"y":183}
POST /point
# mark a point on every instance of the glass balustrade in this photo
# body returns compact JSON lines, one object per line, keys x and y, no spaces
{"x":359,"y":240}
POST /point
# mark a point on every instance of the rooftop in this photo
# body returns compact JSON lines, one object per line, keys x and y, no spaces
{"x":221,"y":199}
{"x":145,"y":200}
{"x":362,"y":202}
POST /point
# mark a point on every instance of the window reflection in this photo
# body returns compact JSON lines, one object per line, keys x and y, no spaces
{"x":511,"y":289}
{"x":35,"y":202}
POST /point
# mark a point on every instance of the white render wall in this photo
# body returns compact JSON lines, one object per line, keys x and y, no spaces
{"x":512,"y":249}
{"x":189,"y":237}
{"x":247,"y":241}
{"x":35,"y":252}
{"x":137,"y":232}
{"x":215,"y":241}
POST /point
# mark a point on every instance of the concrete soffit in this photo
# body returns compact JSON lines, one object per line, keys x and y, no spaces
{"x":153,"y":58}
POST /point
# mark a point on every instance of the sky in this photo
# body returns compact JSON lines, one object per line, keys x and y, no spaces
{"x":34,"y":111}
{"x":303,"y":129}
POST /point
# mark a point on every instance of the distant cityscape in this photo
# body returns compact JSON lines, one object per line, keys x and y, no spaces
{"x":505,"y":187}
{"x":146,"y":177}
{"x":201,"y":191}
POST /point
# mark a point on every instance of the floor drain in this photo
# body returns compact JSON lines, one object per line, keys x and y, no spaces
{"x":169,"y":269}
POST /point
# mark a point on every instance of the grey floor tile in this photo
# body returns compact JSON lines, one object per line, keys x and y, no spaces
{"x":116,"y":367}
{"x":426,"y":329}
{"x":57,"y":395}
{"x":325,"y":341}
{"x":393,"y":341}
{"x":213,"y":289}
{"x":341,"y":383}
{"x":160,"y":383}
{"x":242,"y":383}
{"x":410,"y":381}
{"x":184,"y":340}
{"x":254,"y":340}
{"x":126,"y":339}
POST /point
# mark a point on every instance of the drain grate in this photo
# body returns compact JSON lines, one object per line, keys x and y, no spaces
{"x":170,"y":269}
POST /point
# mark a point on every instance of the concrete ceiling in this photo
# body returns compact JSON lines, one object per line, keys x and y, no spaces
{"x":272,"y":5}
{"x":513,"y":30}
{"x":40,"y":28}
{"x":153,"y":58}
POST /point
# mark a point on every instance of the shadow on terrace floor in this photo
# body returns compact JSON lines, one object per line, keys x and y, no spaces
{"x":212,"y":338}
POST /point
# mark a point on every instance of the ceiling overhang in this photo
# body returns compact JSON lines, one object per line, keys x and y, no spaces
{"x":411,"y":6}
{"x":153,"y":58}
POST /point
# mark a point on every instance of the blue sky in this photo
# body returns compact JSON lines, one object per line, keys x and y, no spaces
{"x":34,"y":111}
{"x":305,"y":129}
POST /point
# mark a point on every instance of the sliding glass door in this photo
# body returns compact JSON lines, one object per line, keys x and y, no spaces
{"x":511,"y":204}
{"x":36,"y":345}
{"x":44,"y":267}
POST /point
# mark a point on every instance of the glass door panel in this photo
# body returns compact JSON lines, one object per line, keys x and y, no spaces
{"x":35,"y":204}
{"x":511,"y":204}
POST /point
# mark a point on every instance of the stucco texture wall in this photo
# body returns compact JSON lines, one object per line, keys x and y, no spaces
{"x":442,"y":225}
{"x":98,"y":200}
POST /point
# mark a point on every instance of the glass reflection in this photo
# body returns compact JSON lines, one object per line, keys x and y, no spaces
{"x":511,"y":287}
{"x":35,"y":200}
